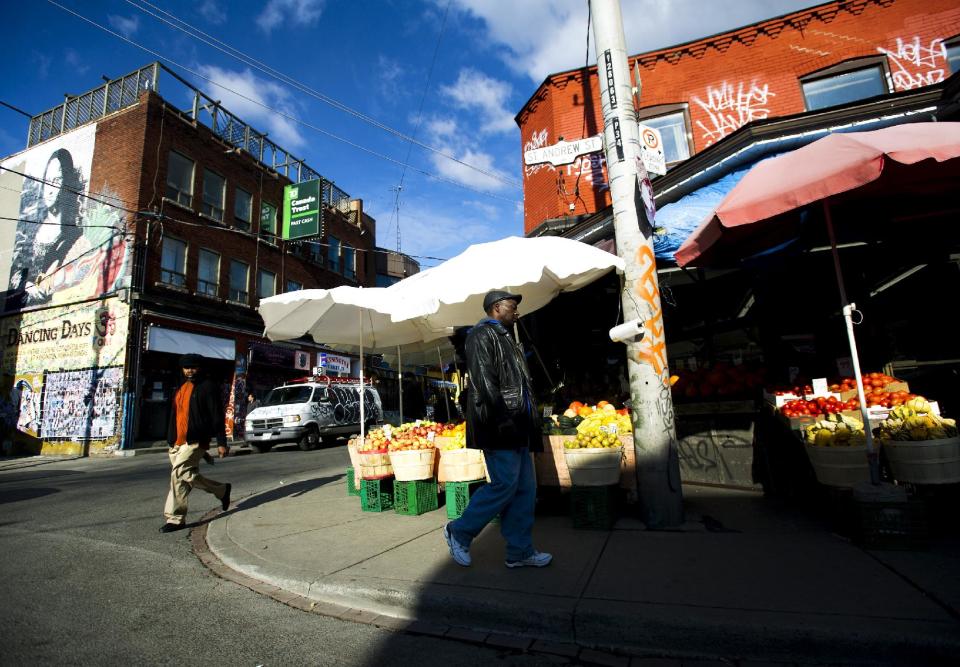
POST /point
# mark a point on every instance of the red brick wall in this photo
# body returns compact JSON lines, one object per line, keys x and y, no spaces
{"x":130,"y":159}
{"x":729,"y":79}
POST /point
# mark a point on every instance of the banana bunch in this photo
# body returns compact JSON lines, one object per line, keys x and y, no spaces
{"x":606,"y":418}
{"x":836,"y":431}
{"x":915,"y":421}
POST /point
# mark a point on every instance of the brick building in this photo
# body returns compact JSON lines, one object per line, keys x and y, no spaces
{"x":146,"y":231}
{"x":700,"y":93}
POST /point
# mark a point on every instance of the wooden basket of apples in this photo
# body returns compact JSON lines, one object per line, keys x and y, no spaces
{"x":412,"y":452}
{"x":373,"y":454}
{"x":457,"y":463}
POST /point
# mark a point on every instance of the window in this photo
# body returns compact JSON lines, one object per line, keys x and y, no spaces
{"x":239,"y":281}
{"x":268,"y":219}
{"x":213,"y":190}
{"x":173,"y":262}
{"x":953,"y":56}
{"x":266,"y":284}
{"x":294,"y":286}
{"x":179,"y":179}
{"x":349,"y":262}
{"x":333,"y":254}
{"x":208,"y":275}
{"x":242,"y":208}
{"x":673,"y":129}
{"x":842,"y":84}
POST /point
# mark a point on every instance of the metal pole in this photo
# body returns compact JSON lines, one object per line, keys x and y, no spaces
{"x":363,"y":421}
{"x":400,"y":381}
{"x":654,"y":432}
{"x":443,"y":378}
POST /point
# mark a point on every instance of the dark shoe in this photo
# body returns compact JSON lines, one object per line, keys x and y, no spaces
{"x":225,"y":501}
{"x":171,"y":527}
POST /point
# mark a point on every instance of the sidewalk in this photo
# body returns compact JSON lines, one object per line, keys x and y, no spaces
{"x":759,"y":584}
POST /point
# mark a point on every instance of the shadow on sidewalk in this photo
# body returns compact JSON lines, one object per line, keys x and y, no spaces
{"x":285,"y":491}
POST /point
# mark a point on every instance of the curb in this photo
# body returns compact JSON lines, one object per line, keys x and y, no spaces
{"x":591,"y":655}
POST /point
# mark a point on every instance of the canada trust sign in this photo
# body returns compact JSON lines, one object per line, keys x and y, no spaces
{"x":563,"y":152}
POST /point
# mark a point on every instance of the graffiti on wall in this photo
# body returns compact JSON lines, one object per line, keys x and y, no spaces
{"x":69,"y":245}
{"x":729,"y":107}
{"x":537,"y":140}
{"x":81,"y":405}
{"x":914,"y":64}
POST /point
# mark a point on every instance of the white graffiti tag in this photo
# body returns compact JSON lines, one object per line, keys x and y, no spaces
{"x":729,"y":108}
{"x":915,"y":65}
{"x":537,"y":140}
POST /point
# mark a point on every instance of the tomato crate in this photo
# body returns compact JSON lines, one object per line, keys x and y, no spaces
{"x":376,"y":495}
{"x":415,"y":497}
{"x":458,"y":496}
{"x":593,"y":507}
{"x":352,"y":488}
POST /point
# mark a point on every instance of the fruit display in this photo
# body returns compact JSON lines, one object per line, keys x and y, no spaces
{"x":454,"y":436}
{"x":836,"y":431}
{"x":822,"y":405}
{"x":577,"y":413}
{"x":375,"y":441}
{"x":915,"y":421}
{"x":593,"y":440}
{"x":414,"y":435}
{"x":718,"y":382}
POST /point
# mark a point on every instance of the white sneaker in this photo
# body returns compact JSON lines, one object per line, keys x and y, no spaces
{"x":460,"y":553}
{"x":536,"y":559}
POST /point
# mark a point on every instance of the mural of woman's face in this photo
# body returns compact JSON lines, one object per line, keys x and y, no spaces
{"x":53,"y":179}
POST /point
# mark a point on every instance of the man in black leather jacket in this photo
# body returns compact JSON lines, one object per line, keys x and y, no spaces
{"x":501,"y":421}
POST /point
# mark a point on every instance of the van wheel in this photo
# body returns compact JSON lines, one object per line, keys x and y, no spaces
{"x":310,"y":439}
{"x":260,"y":448}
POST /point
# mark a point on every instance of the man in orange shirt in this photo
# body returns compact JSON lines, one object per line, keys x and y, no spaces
{"x":196,"y":417}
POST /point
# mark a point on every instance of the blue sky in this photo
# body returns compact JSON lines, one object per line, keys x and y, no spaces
{"x":372,"y":56}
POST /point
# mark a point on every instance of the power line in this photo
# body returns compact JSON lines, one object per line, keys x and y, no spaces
{"x":278,"y":112}
{"x":423,"y":97}
{"x":20,"y":111}
{"x":223,"y":47}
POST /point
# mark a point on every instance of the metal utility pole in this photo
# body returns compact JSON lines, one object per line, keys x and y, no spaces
{"x":654,"y":433}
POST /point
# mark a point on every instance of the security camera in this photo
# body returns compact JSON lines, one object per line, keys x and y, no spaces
{"x":627,"y":332}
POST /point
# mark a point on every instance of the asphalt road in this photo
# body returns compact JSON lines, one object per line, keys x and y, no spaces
{"x":88,"y":579}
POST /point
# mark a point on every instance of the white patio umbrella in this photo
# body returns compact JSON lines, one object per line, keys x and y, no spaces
{"x":451,"y":294}
{"x":352,"y":319}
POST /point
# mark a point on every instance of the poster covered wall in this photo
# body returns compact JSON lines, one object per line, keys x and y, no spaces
{"x":69,"y":243}
{"x":61,"y":377}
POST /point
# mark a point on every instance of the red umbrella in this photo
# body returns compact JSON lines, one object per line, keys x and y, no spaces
{"x":892,"y":166}
{"x":911,"y":159}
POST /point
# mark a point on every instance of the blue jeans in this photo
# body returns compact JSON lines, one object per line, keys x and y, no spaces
{"x":511,"y":493}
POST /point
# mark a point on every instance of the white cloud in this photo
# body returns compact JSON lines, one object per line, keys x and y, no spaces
{"x":212,"y":11}
{"x":125,"y":25}
{"x":475,"y":90}
{"x":539,"y":38}
{"x":389,"y":73}
{"x":446,"y":135}
{"x":281,"y":130}
{"x":431,"y":230}
{"x":294,"y":12}
{"x":72,"y":58}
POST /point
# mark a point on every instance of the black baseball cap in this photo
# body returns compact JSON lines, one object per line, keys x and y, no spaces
{"x":496,"y":295}
{"x":191,"y":361}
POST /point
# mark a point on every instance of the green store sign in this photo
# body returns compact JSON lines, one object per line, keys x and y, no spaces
{"x":302,"y":214}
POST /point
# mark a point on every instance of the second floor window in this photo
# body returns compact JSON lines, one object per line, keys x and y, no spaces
{"x":173,"y":262}
{"x":179,"y":179}
{"x":293,"y":286}
{"x":953,"y":55}
{"x":847,"y":86}
{"x":673,"y":130}
{"x":214,"y":187}
{"x":239,"y":281}
{"x":243,"y":209}
{"x":268,"y":219}
{"x":266,"y":284}
{"x":208,"y":273}
{"x":333,"y":254}
{"x":349,"y":262}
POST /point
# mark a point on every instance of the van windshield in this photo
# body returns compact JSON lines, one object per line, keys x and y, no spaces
{"x":288,"y":395}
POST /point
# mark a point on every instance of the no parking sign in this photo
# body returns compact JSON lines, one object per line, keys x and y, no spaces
{"x":651,"y":150}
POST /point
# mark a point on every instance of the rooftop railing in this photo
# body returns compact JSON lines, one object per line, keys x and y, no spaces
{"x":117,"y":94}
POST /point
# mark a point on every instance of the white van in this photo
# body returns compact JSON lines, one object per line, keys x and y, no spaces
{"x":305,"y":411}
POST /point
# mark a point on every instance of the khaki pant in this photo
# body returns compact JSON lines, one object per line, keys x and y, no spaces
{"x":185,"y":476}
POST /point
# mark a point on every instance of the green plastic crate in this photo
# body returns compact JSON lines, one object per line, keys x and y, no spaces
{"x":352,"y":489}
{"x":376,"y":495}
{"x":415,"y":498}
{"x":593,"y":507}
{"x":458,"y":495}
